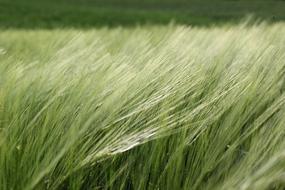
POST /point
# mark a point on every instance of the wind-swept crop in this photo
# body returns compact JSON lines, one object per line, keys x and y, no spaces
{"x":156,"y":108}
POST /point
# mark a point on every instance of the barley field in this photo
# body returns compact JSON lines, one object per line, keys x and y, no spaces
{"x":159,"y":107}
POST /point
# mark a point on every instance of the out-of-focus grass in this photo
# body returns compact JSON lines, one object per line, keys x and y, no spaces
{"x":143,"y":108}
{"x":35,"y":14}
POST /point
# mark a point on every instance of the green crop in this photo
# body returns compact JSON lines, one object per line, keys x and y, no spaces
{"x":145,"y":108}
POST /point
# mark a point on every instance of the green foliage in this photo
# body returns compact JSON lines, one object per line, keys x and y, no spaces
{"x":35,"y":14}
{"x":143,"y":108}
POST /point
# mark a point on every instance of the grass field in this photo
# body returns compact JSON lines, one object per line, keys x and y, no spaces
{"x":142,"y":95}
{"x":167,"y":107}
{"x":86,"y":14}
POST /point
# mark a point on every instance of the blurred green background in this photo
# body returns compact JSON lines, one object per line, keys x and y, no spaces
{"x":99,"y":13}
